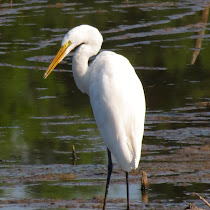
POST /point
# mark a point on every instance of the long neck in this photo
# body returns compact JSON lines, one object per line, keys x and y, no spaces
{"x":80,"y":66}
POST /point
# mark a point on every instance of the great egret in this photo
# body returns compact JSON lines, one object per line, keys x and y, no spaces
{"x":116,"y":96}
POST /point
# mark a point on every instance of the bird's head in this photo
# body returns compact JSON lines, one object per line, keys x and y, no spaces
{"x":76,"y":36}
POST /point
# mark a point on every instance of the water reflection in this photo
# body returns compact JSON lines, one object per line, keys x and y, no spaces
{"x":144,"y":196}
{"x":200,"y":34}
{"x":40,"y":120}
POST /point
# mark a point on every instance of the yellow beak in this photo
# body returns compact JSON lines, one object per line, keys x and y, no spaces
{"x":58,"y":58}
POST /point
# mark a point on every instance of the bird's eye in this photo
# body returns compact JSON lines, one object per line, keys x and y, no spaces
{"x":67,"y":44}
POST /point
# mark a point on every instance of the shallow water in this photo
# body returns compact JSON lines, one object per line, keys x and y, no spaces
{"x":40,"y":120}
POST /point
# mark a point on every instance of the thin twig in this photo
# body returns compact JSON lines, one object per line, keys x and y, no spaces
{"x":74,"y":155}
{"x":203,"y":199}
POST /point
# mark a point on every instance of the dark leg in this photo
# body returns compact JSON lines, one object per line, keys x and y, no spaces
{"x":110,"y":166}
{"x":128,"y":205}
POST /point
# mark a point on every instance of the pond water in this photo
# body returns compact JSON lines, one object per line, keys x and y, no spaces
{"x":40,"y":120}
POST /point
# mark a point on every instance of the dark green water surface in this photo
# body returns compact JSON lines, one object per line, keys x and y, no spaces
{"x":168,"y":43}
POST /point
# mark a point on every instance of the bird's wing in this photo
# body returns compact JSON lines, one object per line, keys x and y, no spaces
{"x":118,"y":104}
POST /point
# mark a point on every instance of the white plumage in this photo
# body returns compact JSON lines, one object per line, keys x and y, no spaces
{"x":115,"y":91}
{"x":117,"y":100}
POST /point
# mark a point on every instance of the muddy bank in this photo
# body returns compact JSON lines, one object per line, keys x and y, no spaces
{"x":183,"y":168}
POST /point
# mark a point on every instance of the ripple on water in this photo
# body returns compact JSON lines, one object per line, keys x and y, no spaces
{"x":36,"y":147}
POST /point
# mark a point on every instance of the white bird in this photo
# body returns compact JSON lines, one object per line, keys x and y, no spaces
{"x":116,"y":96}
